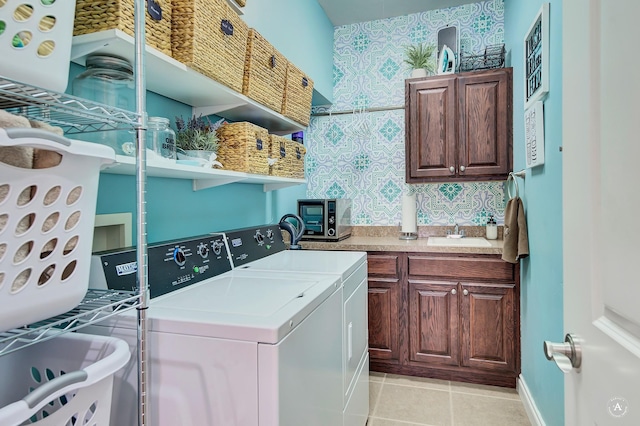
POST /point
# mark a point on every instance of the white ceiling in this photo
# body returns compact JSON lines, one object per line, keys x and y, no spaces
{"x":343,"y":12}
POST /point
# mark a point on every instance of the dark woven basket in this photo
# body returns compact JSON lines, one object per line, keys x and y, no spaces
{"x":491,"y":57}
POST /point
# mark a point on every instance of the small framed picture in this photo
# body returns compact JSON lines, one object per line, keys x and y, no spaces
{"x":534,"y":135}
{"x":536,"y":58}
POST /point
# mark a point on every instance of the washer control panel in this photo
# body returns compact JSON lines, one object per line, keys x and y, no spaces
{"x":172,"y":265}
{"x":249,"y":244}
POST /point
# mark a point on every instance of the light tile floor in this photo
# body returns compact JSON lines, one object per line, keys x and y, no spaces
{"x":405,"y":401}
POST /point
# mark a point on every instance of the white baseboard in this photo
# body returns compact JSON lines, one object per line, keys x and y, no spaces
{"x":529,"y":404}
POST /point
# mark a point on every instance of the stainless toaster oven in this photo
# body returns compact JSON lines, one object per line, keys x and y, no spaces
{"x":325,"y":219}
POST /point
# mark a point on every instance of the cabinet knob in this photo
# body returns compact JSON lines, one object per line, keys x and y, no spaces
{"x":465,"y":292}
{"x":452,"y":169}
{"x":453,"y":291}
{"x":462,"y":168}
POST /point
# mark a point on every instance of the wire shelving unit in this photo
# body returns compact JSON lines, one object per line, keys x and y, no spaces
{"x":76,"y":115}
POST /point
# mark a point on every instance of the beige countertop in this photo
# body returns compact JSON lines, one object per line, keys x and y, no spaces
{"x":387,"y":239}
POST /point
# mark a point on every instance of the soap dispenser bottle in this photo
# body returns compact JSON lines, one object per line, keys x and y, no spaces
{"x":492,"y":228}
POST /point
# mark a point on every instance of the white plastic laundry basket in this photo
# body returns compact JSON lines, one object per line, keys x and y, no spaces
{"x":65,"y":381}
{"x":35,"y":41}
{"x":46,"y":227}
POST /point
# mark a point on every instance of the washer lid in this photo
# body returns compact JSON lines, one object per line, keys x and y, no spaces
{"x":343,"y":263}
{"x":257,"y":307}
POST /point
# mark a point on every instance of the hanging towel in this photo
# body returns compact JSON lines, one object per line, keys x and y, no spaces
{"x":516,"y":241}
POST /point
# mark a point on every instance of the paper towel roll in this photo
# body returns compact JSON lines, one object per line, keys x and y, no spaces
{"x":409,"y":216}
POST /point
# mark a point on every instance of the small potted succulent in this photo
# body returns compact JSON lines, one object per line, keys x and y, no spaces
{"x":197,"y":138}
{"x":420,"y":59}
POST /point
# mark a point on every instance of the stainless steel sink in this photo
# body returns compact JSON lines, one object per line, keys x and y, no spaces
{"x":458,"y":242}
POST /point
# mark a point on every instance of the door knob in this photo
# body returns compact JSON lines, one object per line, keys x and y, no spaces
{"x":465,"y":292}
{"x":462,"y":168}
{"x":567,"y":355}
{"x":452,"y":169}
{"x":453,"y":291}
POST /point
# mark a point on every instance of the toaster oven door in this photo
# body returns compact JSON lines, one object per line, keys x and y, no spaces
{"x":313,"y":214}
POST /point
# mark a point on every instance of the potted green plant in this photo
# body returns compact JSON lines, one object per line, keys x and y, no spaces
{"x":197,"y":138}
{"x":420,"y":59}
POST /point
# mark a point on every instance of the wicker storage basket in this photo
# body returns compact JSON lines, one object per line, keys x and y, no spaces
{"x":265,"y":72}
{"x":208,"y":36}
{"x":289,"y":156}
{"x":99,"y":15}
{"x":241,"y":3}
{"x":298,"y":91}
{"x":244,"y":147}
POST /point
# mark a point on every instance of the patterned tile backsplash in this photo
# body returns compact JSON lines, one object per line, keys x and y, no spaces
{"x":361,"y":155}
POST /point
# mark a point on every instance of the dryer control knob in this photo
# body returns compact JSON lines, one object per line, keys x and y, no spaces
{"x":203,"y":250}
{"x":259,"y":238}
{"x":217,"y":247}
{"x":179,"y":257}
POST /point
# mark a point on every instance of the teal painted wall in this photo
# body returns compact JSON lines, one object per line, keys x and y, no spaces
{"x":301,"y":31}
{"x":174,"y":210}
{"x":541,"y":272}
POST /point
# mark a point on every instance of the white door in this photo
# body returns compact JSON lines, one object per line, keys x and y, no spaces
{"x":601,"y":212}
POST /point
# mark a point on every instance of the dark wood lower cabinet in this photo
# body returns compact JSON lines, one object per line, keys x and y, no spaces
{"x":385,"y":292}
{"x":433,"y":323}
{"x":488,"y":334}
{"x":451,"y":317}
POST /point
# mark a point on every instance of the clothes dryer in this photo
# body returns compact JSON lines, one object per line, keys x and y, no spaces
{"x":261,"y":249}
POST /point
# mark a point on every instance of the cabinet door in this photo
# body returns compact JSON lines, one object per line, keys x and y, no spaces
{"x":489,"y":326}
{"x":384,"y":306}
{"x":485,"y":123}
{"x":430,"y":125}
{"x":384,"y":311}
{"x":433,"y":322}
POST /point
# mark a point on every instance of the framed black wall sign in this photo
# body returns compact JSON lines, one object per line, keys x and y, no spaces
{"x":536,"y":58}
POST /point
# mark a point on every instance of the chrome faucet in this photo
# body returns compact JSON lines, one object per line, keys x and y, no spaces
{"x":456,"y":231}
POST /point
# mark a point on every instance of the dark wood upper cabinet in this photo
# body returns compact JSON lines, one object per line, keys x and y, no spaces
{"x":459,"y":126}
{"x":431,"y":109}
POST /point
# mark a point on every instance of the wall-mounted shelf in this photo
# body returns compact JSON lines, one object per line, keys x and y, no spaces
{"x":235,"y":7}
{"x":172,"y":79}
{"x":202,"y":178}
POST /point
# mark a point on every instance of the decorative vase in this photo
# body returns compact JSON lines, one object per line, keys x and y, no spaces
{"x":419,"y":72}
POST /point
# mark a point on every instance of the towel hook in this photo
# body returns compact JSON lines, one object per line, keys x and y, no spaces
{"x":512,"y":178}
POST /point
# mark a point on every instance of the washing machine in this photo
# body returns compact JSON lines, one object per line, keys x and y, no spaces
{"x":262,"y":250}
{"x":252,"y":348}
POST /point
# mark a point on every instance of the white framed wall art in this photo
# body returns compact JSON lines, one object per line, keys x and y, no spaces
{"x":534,"y":134}
{"x":536,"y":58}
